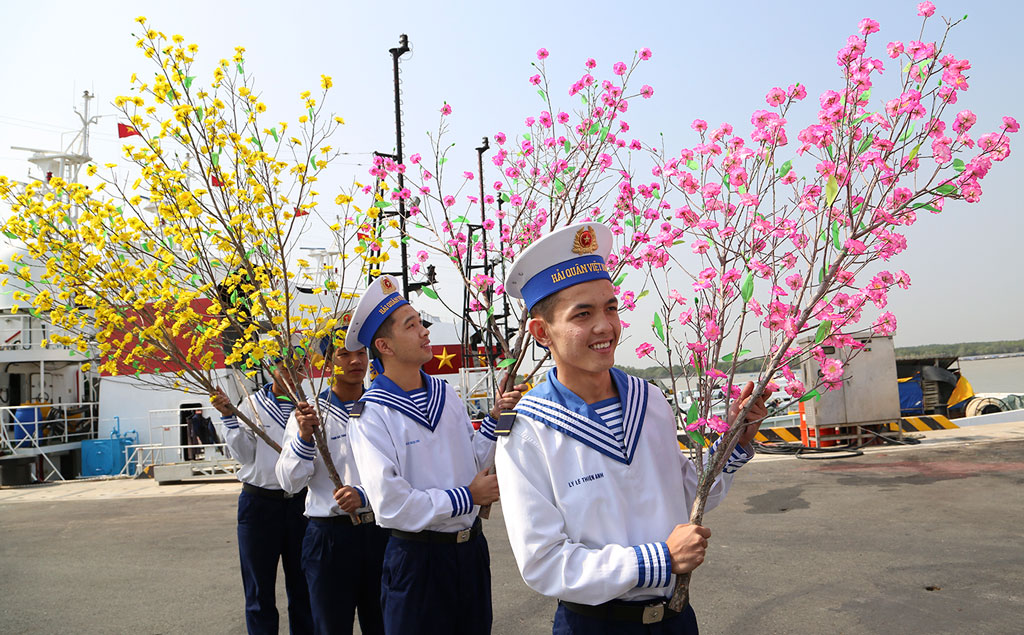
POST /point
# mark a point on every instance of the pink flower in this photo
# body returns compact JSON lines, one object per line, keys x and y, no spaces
{"x":776,"y":97}
{"x":446,"y":109}
{"x":885,"y":324}
{"x":699,"y":125}
{"x":499,"y":137}
{"x":563,"y":117}
{"x":542,"y":53}
{"x":449,"y":200}
{"x":895,"y":49}
{"x":422,"y":256}
{"x":795,"y":388}
{"x":645,"y":53}
{"x":591,"y":63}
{"x":868,"y":26}
{"x":832,"y":369}
{"x":926,"y":9}
{"x":619,"y":68}
{"x":416,"y":158}
{"x":1010,"y":124}
{"x":468,"y":175}
{"x":646,"y":91}
{"x":644,"y":350}
{"x":964,"y":120}
{"x":535,"y":80}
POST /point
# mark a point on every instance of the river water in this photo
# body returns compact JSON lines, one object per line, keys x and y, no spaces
{"x":1003,"y":374}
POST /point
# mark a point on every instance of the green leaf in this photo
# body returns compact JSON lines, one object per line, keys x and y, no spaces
{"x":693,"y":165}
{"x":659,"y":328}
{"x":821,"y":273}
{"x":527,"y":136}
{"x":823,"y":330}
{"x":927,"y":206}
{"x":945,"y":189}
{"x":460,"y":219}
{"x":604,"y":133}
{"x":913,"y":153}
{"x":811,"y":395}
{"x":958,"y":165}
{"x":594,"y":128}
{"x":10,"y":235}
{"x":831,"y":191}
{"x":240,"y":68}
{"x":188,"y":81}
{"x":490,"y":311}
{"x":697,"y":437}
{"x":691,"y":414}
{"x":215,"y":158}
{"x":747,"y":287}
{"x":865,"y":143}
{"x":906,"y":133}
{"x":505,"y":363}
{"x":620,"y":279}
{"x":568,"y":146}
{"x":642,"y":294}
{"x":728,"y":358}
{"x":505,"y":197}
{"x":273,"y":131}
{"x":543,"y":95}
{"x":785,"y":168}
{"x":559,"y":186}
{"x":835,"y":235}
{"x":430,"y":293}
{"x":382,"y":204}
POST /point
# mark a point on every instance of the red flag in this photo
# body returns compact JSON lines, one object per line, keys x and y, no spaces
{"x":124,"y":130}
{"x":300,"y":212}
{"x":214,"y":181}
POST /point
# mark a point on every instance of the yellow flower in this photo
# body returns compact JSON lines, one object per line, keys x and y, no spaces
{"x":325,"y":82}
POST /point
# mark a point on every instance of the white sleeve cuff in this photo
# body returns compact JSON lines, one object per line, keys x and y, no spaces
{"x":487,"y":427}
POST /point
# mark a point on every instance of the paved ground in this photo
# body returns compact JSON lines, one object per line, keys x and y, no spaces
{"x":926,"y":539}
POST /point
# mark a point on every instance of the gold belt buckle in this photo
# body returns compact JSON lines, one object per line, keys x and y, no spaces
{"x":367,"y":517}
{"x":653,"y":613}
{"x":464,"y":535}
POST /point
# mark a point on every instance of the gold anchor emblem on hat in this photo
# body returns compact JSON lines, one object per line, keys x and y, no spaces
{"x":585,"y":241}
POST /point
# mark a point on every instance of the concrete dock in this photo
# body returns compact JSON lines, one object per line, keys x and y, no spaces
{"x":923,"y":538}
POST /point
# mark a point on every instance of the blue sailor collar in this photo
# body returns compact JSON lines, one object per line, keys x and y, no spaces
{"x":278,"y":409}
{"x":560,"y":409}
{"x":334,"y":405}
{"x":385,"y":392}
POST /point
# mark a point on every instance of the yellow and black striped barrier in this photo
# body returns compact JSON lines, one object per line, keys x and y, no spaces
{"x":924,"y":423}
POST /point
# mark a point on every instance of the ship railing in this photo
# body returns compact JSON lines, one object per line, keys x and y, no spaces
{"x":144,"y":456}
{"x":38,"y":430}
{"x":24,"y":332}
{"x":167,"y":431}
{"x":31,"y":428}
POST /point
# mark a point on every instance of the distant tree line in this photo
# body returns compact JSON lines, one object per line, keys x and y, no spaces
{"x":964,"y":349}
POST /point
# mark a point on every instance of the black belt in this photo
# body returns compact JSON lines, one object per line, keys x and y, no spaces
{"x":278,"y":494}
{"x":344,"y":519}
{"x":455,"y":537}
{"x":620,"y":611}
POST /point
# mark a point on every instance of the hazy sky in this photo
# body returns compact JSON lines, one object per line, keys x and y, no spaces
{"x":715,"y":61}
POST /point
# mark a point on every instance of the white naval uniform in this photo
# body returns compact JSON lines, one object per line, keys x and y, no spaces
{"x":257,"y":458}
{"x":587,"y":516}
{"x":416,"y":466}
{"x":298,"y":466}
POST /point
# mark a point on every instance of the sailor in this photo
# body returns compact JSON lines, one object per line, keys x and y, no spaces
{"x":425,"y":472}
{"x":342,"y":560}
{"x":270,"y":520}
{"x":595,"y":490}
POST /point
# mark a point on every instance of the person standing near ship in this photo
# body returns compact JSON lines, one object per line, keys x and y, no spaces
{"x":342,"y":561}
{"x":271,"y":524}
{"x":425,"y":471}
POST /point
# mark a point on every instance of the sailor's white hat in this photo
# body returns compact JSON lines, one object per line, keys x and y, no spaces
{"x":566,"y":257}
{"x":380,"y":300}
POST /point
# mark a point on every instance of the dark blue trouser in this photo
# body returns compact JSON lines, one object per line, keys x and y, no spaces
{"x":343,"y":568}
{"x":432,"y":588}
{"x":270,"y":530}
{"x":569,"y":623}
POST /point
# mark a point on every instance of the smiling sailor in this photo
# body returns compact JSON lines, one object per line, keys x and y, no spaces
{"x":424,"y":470}
{"x":595,"y":490}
